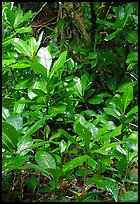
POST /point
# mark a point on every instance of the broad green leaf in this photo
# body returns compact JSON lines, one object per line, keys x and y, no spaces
{"x":27,"y":16}
{"x":113,"y":112}
{"x":112,"y":187}
{"x":127,"y":11}
{"x":78,"y":86}
{"x":75,"y":163}
{"x":5,"y":113}
{"x":101,"y":132}
{"x":91,"y":162}
{"x":24,"y":145}
{"x":106,"y":148}
{"x":9,"y":136}
{"x":32,"y":182}
{"x":59,"y":63}
{"x":129,"y":196}
{"x":133,"y":110}
{"x":36,"y":126}
{"x":127,"y":97}
{"x":125,"y":86}
{"x":39,"y":68}
{"x":69,"y":137}
{"x":132,"y":37}
{"x":15,"y":120}
{"x":90,"y":197}
{"x":99,"y":98}
{"x":112,"y":35}
{"x":84,"y":133}
{"x":132,"y":57}
{"x":84,"y":81}
{"x":22,"y":47}
{"x":58,"y":109}
{"x":45,"y":160}
{"x":120,"y":149}
{"x":45,"y":58}
{"x":18,"y":16}
{"x":112,"y":133}
{"x":13,"y":163}
{"x":23,"y":85}
{"x":117,"y":99}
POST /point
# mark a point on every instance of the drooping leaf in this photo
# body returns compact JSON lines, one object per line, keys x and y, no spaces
{"x":45,"y":160}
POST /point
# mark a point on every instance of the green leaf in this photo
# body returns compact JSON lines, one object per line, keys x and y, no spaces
{"x":133,"y":110}
{"x":112,"y":35}
{"x":125,"y":86}
{"x":112,"y":112}
{"x":45,"y":160}
{"x":104,"y":22}
{"x":112,"y":133}
{"x":18,"y":16}
{"x":59,"y":63}
{"x":15,"y":120}
{"x":24,"y":30}
{"x":117,"y":99}
{"x":58,"y":109}
{"x":36,"y":126}
{"x":20,"y":65}
{"x":24,"y":145}
{"x":39,"y":68}
{"x":99,"y":98}
{"x":69,"y":137}
{"x":132,"y":37}
{"x":32,"y":182}
{"x":5,"y":113}
{"x":129,"y":196}
{"x":91,"y":162}
{"x":112,"y":187}
{"x":62,"y":146}
{"x":13,"y":163}
{"x":9,"y":136}
{"x":127,"y":97}
{"x":84,"y":133}
{"x":75,"y":163}
{"x":132,"y":57}
{"x":127,"y":11}
{"x":22,"y":47}
{"x":84,"y":80}
{"x":45,"y":58}
{"x":105,"y":148}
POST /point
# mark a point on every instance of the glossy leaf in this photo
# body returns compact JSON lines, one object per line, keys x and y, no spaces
{"x":69,"y":137}
{"x":62,"y":146}
{"x":133,"y":110}
{"x":112,"y":133}
{"x":112,"y":35}
{"x":36,"y":126}
{"x":127,"y":97}
{"x":84,"y":133}
{"x":45,"y":58}
{"x":117,"y":99}
{"x":132,"y":37}
{"x":5,"y":113}
{"x":59,"y":62}
{"x":125,"y":86}
{"x":24,"y":145}
{"x":9,"y":136}
{"x":13,"y":163}
{"x":99,"y":98}
{"x":75,"y":163}
{"x":45,"y":160}
{"x":15,"y":120}
{"x":58,"y":109}
{"x":132,"y":57}
{"x":22,"y":47}
{"x":105,"y":148}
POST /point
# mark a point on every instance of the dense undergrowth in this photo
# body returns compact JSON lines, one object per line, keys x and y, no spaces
{"x":69,"y":109}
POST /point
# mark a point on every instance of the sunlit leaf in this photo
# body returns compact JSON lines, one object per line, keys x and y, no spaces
{"x":45,"y":160}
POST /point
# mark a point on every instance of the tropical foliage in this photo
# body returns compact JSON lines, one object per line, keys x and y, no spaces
{"x":69,"y":108}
